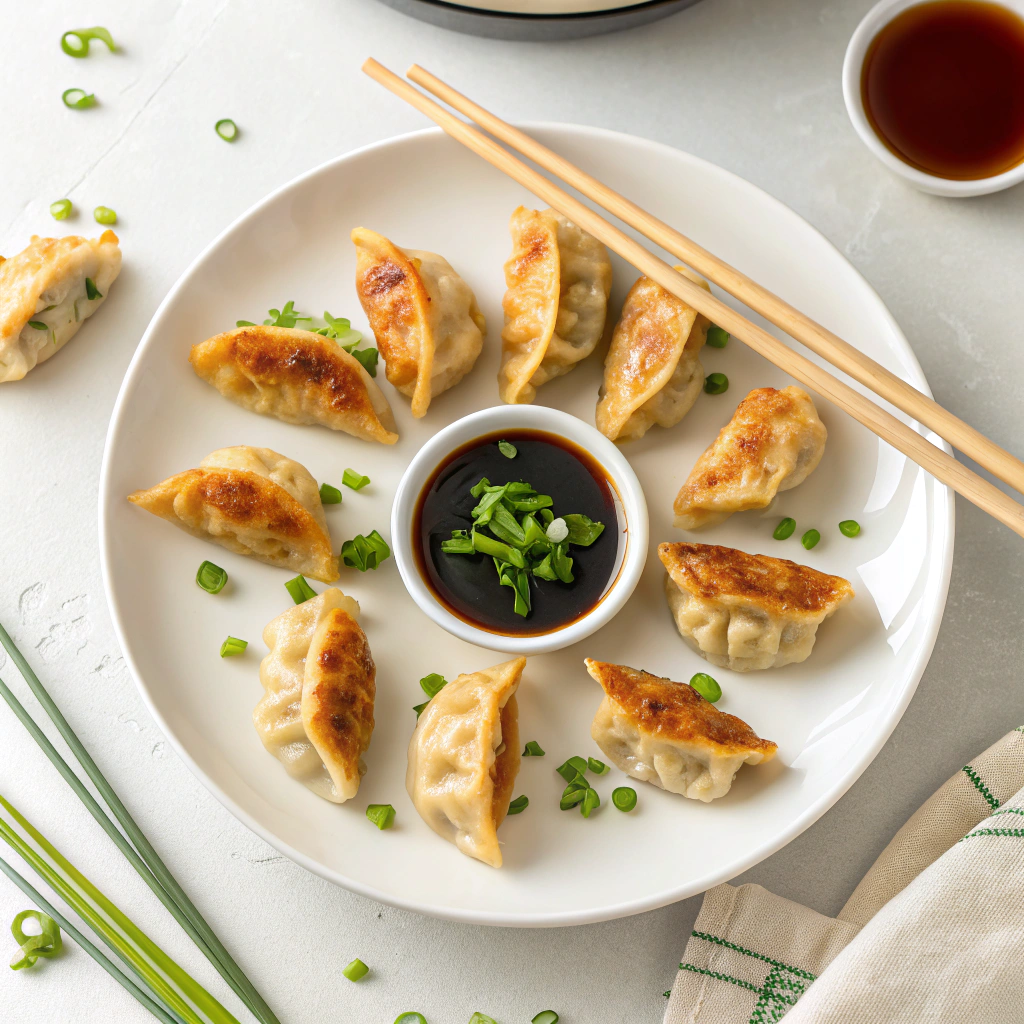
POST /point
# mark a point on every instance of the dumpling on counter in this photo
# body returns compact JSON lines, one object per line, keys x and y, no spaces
{"x":666,"y":733}
{"x":297,"y":376}
{"x":316,"y":716}
{"x":426,"y":320}
{"x":557,"y":282}
{"x":653,"y":373}
{"x":464,"y":758}
{"x":747,"y":612}
{"x":773,"y":442}
{"x":46,"y":292}
{"x":254,"y":502}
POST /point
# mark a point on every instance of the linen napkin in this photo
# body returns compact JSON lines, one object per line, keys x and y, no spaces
{"x":934,"y":931}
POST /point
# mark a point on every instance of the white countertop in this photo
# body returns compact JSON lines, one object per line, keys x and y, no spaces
{"x":753,"y":87}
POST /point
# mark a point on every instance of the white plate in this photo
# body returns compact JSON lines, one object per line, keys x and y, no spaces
{"x":830,"y":716}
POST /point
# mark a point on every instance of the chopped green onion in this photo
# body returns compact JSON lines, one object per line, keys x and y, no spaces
{"x":211,"y":577}
{"x":78,"y":99}
{"x":717,"y":337}
{"x":716,"y":384}
{"x":810,"y":538}
{"x":300,"y":589}
{"x":356,"y":970}
{"x":461,"y":543}
{"x":39,"y":325}
{"x":233,"y":646}
{"x":226,"y":129}
{"x":350,"y":478}
{"x":597,"y":767}
{"x":382,"y":815}
{"x":418,"y":708}
{"x":507,"y":449}
{"x":496,"y":549}
{"x":46,"y":942}
{"x":364,"y":553}
{"x":410,"y":1017}
{"x":75,"y":43}
{"x":624,"y":798}
{"x":583,"y":531}
{"x":433,"y":684}
{"x":61,"y":209}
{"x":573,"y":794}
{"x":591,"y":801}
{"x":104,"y":215}
{"x":519,"y":805}
{"x":481,"y":1018}
{"x":91,"y":291}
{"x":244,"y":323}
{"x":533,"y":749}
{"x":849,"y":528}
{"x":784,"y":529}
{"x":545,"y":1017}
{"x":707,"y":687}
{"x":573,"y":767}
{"x":329,"y":495}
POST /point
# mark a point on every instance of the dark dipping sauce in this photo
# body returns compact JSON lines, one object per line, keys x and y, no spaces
{"x":467,"y":585}
{"x":943,"y":88}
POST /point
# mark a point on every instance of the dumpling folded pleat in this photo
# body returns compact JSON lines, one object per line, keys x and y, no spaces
{"x":747,"y":612}
{"x":464,"y":758}
{"x":316,"y":715}
{"x":47,"y":291}
{"x":773,"y":442}
{"x":297,"y":376}
{"x":557,"y":282}
{"x":251,"y":501}
{"x":666,"y":733}
{"x":652,"y":374}
{"x":425,"y":318}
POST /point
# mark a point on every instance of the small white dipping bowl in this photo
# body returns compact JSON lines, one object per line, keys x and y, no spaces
{"x":632,"y":527}
{"x":874,"y":21}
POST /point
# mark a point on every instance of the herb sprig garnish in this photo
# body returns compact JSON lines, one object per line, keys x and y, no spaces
{"x":515,"y":526}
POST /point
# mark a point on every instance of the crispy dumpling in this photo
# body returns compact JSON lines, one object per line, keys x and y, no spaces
{"x":652,"y":373}
{"x":297,"y":376}
{"x":666,"y":733}
{"x":773,"y":442}
{"x":464,"y":758}
{"x":316,"y":716}
{"x":251,"y":501}
{"x":557,"y":282}
{"x":747,"y":612}
{"x":426,"y":320}
{"x":46,"y":292}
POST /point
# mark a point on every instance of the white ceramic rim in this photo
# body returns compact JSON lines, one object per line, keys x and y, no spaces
{"x":942,"y":551}
{"x":522,"y":417}
{"x":874,"y":21}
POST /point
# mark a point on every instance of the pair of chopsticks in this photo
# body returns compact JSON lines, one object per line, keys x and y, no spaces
{"x":839,"y":353}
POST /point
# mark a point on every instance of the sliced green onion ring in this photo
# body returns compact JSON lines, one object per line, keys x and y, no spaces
{"x":356,"y":970}
{"x":481,"y":1018}
{"x":61,"y":209}
{"x":573,"y":767}
{"x":410,"y":1017}
{"x":545,"y":1017}
{"x":78,"y":99}
{"x":810,"y":539}
{"x":350,"y":478}
{"x":849,"y":528}
{"x":591,"y":801}
{"x":784,"y":529}
{"x":519,"y":805}
{"x":226,"y":129}
{"x":211,"y":577}
{"x":329,"y":495}
{"x":597,"y":767}
{"x":46,"y":943}
{"x":300,"y":589}
{"x":433,"y":684}
{"x":83,"y":37}
{"x":707,"y":686}
{"x":233,"y":647}
{"x":716,"y":384}
{"x":104,"y":215}
{"x":382,"y":815}
{"x":624,"y":798}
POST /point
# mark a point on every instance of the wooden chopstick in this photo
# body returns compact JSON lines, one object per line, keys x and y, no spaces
{"x":775,"y":310}
{"x":944,"y":467}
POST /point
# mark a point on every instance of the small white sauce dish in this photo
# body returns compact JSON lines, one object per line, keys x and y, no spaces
{"x":874,"y":21}
{"x":632,"y":526}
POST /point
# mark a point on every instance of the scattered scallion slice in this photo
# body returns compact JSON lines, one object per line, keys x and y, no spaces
{"x":104,"y":215}
{"x":232,"y":647}
{"x":849,"y":528}
{"x":356,"y":970}
{"x":410,"y":1017}
{"x":46,"y":942}
{"x":624,"y":798}
{"x":545,"y":1017}
{"x":329,"y":495}
{"x":211,"y":577}
{"x":784,"y":529}
{"x":226,"y":129}
{"x":707,"y":686}
{"x":350,"y":478}
{"x":61,"y":209}
{"x":591,"y":801}
{"x":716,"y":384}
{"x":382,"y":815}
{"x":573,"y":794}
{"x":583,"y":531}
{"x":810,"y":538}
{"x":717,"y":337}
{"x":533,"y":749}
{"x":507,"y":449}
{"x":519,"y":805}
{"x":38,"y":325}
{"x":300,"y":589}
{"x":597,"y":767}
{"x":78,"y":99}
{"x":91,"y":291}
{"x":573,"y":767}
{"x":433,"y":684}
{"x":418,"y":708}
{"x":481,"y":1018}
{"x":75,"y":42}
{"x":364,"y":553}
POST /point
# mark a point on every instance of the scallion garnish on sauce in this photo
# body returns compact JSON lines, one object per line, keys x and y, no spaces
{"x":75,"y":42}
{"x":232,"y":647}
{"x":364,"y":553}
{"x":300,"y":589}
{"x":78,"y":99}
{"x":382,"y":815}
{"x":211,"y":577}
{"x":507,"y":449}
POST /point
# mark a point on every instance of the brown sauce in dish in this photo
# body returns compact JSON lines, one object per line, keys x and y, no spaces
{"x":467,"y":585}
{"x":943,"y":88}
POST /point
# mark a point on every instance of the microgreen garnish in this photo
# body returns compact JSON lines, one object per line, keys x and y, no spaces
{"x":46,"y":943}
{"x":533,"y":749}
{"x":364,"y":553}
{"x":211,"y":577}
{"x":329,"y":495}
{"x":300,"y":589}
{"x":78,"y":99}
{"x":519,"y":805}
{"x":382,"y":815}
{"x":507,"y":449}
{"x":75,"y":42}
{"x":91,"y":291}
{"x":350,"y":478}
{"x":104,"y":215}
{"x":61,"y":209}
{"x":226,"y":129}
{"x":356,"y":970}
{"x":232,"y":647}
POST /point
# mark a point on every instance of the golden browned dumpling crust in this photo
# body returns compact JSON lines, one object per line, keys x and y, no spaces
{"x":297,"y":376}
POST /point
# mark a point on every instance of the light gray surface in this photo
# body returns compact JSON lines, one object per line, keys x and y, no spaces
{"x":751,"y":86}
